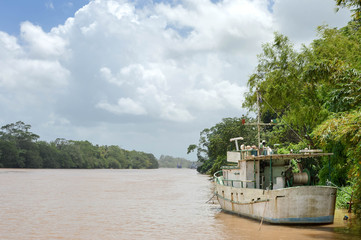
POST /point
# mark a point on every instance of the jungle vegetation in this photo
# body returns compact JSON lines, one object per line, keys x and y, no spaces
{"x":20,"y":148}
{"x":315,"y":95}
{"x":166,"y":161}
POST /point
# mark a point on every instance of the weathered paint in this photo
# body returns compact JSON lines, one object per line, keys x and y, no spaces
{"x":295,"y":205}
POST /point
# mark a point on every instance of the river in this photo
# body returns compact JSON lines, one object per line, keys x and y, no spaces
{"x":132,"y":204}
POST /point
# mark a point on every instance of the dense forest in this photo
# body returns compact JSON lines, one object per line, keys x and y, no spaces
{"x":315,"y":96}
{"x":166,"y":161}
{"x":20,"y":148}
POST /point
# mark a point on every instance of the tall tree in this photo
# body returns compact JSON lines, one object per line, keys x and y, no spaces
{"x":9,"y":155}
{"x":285,"y":92}
{"x":214,"y":142}
{"x":18,"y":133}
{"x":345,"y":128}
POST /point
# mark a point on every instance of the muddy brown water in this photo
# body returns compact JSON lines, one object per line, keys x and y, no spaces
{"x":133,"y":204}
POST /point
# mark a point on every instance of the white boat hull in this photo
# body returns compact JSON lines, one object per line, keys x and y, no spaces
{"x":294,"y":205}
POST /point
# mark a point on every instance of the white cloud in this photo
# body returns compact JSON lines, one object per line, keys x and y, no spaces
{"x":41,"y":44}
{"x":33,"y":75}
{"x":121,"y":10}
{"x":24,"y":80}
{"x":123,"y":106}
{"x":152,"y":72}
{"x":54,"y":121}
{"x":9,"y":46}
{"x":225,"y":26}
{"x":300,"y":19}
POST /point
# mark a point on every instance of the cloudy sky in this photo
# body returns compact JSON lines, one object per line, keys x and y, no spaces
{"x":144,"y":75}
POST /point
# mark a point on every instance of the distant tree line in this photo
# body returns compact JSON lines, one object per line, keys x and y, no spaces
{"x":20,"y":148}
{"x":166,"y":161}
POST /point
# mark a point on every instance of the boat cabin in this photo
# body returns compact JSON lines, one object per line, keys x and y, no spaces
{"x":258,"y":167}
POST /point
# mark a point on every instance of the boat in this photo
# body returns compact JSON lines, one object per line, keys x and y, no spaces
{"x":263,"y":185}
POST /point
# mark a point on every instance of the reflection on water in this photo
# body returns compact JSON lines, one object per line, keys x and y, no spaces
{"x":132,"y":204}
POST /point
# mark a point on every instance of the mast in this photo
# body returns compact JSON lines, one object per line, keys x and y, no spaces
{"x":258,"y":119}
{"x":258,"y":122}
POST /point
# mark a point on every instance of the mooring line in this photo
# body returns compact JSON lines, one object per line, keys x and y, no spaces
{"x":211,"y":197}
{"x":264,"y":211}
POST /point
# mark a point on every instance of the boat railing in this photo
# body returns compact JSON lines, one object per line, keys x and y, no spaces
{"x":218,"y":177}
{"x":218,"y":174}
{"x":238,"y":181}
{"x":230,"y":167}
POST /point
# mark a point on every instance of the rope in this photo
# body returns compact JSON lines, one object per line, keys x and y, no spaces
{"x":211,"y":198}
{"x":331,"y":183}
{"x":264,"y":211}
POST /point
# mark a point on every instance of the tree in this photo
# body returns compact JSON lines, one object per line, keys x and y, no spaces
{"x":311,"y":90}
{"x":113,"y":163}
{"x":214,"y":142}
{"x":49,"y":154}
{"x":354,"y":5}
{"x":166,"y":161}
{"x":118,"y":154}
{"x":152,"y":161}
{"x":20,"y":148}
{"x":345,"y":128}
{"x":305,"y":87}
{"x":285,"y":91}
{"x":18,"y":133}
{"x":9,"y":155}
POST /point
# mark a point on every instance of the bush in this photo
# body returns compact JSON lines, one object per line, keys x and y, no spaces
{"x":343,"y":197}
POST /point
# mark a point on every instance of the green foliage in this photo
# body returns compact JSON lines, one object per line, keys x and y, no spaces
{"x":346,"y":93}
{"x":275,"y":76}
{"x":283,"y":151}
{"x":214,"y":142}
{"x":218,"y":163}
{"x":286,"y":91}
{"x":19,"y":148}
{"x":336,"y":167}
{"x":315,"y":94}
{"x":49,"y":155}
{"x":23,"y":150}
{"x":9,"y":156}
{"x":304,"y":87}
{"x":308,"y":87}
{"x":191,"y":148}
{"x":345,"y":128}
{"x":354,"y":5}
{"x":166,"y":161}
{"x":344,"y":197}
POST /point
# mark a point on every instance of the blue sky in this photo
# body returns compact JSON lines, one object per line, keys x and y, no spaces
{"x":144,"y":75}
{"x":45,"y":13}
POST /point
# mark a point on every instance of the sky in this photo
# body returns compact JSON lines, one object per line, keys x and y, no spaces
{"x":144,"y":75}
